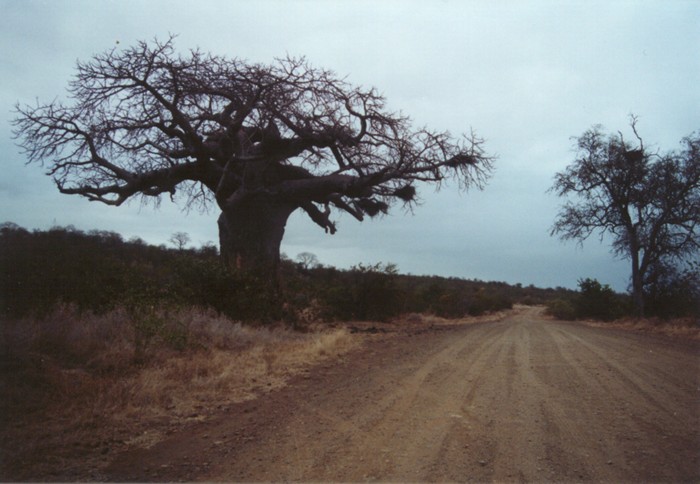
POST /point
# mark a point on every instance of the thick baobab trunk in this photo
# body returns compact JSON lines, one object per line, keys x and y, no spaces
{"x":250,"y":235}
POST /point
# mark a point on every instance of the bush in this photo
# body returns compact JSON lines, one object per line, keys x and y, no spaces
{"x":484,"y":302}
{"x":597,"y":301}
{"x":451,"y":305}
{"x":562,"y":309}
{"x":674,"y":291}
{"x":366,"y":293}
{"x":594,"y":300}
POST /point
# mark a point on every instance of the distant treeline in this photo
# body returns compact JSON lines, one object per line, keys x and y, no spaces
{"x":100,"y":271}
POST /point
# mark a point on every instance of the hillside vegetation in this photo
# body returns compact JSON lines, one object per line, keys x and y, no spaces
{"x":99,"y":271}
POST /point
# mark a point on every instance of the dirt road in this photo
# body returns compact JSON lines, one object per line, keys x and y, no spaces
{"x":524,"y":399}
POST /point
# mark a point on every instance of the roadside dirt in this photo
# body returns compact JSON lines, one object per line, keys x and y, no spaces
{"x":523,"y":399}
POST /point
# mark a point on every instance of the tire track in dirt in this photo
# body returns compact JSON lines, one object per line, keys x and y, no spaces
{"x":647,"y":414}
{"x":524,"y":399}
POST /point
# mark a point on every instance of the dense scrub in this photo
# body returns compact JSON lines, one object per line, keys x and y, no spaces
{"x":679,"y":298}
{"x":100,"y":272}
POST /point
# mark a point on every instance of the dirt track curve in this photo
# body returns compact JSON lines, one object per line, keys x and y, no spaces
{"x":523,"y":399}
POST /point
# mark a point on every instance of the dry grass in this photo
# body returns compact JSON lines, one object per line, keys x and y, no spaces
{"x":429,"y":320}
{"x":682,"y":328}
{"x":77,"y":387}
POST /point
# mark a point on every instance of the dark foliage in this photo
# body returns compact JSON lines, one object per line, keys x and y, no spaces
{"x":598,"y":301}
{"x":563,"y":309}
{"x":674,"y":291}
{"x":593,"y":301}
{"x":364,"y":292}
{"x":99,"y":271}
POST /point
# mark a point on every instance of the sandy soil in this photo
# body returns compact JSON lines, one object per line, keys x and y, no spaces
{"x":523,"y":399}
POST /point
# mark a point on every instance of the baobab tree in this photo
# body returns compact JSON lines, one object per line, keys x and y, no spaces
{"x":258,"y":141}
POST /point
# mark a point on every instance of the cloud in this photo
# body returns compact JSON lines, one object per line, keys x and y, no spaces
{"x":526,"y":75}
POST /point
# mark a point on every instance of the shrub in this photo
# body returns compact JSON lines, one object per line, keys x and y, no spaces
{"x":562,"y":309}
{"x":484,"y":302}
{"x":450,"y":305}
{"x":674,"y":291}
{"x":597,"y":301}
{"x":365,"y":292}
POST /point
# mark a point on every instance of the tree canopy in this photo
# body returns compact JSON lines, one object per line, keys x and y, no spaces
{"x":647,"y":202}
{"x":259,"y":141}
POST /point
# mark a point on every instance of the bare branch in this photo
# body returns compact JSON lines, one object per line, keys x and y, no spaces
{"x":146,"y":121}
{"x":651,"y":209}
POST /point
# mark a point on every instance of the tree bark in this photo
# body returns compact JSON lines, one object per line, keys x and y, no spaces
{"x":637,"y":285}
{"x":250,"y":235}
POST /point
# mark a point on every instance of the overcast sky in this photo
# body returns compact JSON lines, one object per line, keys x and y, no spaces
{"x":526,"y":75}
